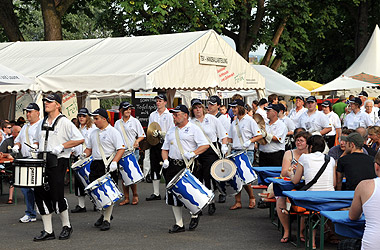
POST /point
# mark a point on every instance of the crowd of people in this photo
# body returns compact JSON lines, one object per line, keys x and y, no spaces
{"x":343,"y":138}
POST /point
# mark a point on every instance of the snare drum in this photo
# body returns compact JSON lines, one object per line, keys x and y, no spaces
{"x":232,"y":187}
{"x":82,"y":169}
{"x":28,"y":172}
{"x":103,"y":192}
{"x":223,"y":170}
{"x":190,"y":191}
{"x":130,"y":170}
{"x":244,"y":167}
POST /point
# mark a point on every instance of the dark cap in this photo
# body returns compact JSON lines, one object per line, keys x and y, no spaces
{"x":363,"y":93}
{"x":214,"y":100}
{"x":83,"y":111}
{"x":237,"y":102}
{"x":356,"y":100}
{"x":32,"y":106}
{"x":180,"y":108}
{"x":262,"y":101}
{"x":356,"y":138}
{"x":275,"y":107}
{"x":162,"y":97}
{"x":301,"y":98}
{"x":281,"y":106}
{"x":326,"y":103}
{"x":52,"y":98}
{"x":101,"y":112}
{"x":311,"y":99}
{"x":125,"y":105}
{"x":195,"y":101}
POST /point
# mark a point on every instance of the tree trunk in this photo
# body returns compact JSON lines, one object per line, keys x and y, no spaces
{"x":362,"y":36}
{"x":52,"y":20}
{"x":9,"y":22}
{"x":276,"y":63}
{"x":275,"y":40}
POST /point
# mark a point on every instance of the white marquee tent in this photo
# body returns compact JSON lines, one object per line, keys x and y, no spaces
{"x":11,"y":80}
{"x":343,"y":83}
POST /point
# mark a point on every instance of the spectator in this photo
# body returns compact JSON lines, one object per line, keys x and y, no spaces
{"x":374,"y":135}
{"x":289,"y":125}
{"x":363,"y":97}
{"x":339,"y":150}
{"x":363,"y":132}
{"x":20,"y":121}
{"x":296,"y":112}
{"x":273,"y":98}
{"x":369,"y":109}
{"x":260,"y":110}
{"x":255,"y":105}
{"x":340,"y":105}
{"x":223,"y":110}
{"x":357,"y":118}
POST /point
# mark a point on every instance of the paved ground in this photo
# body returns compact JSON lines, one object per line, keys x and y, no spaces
{"x":145,"y":226}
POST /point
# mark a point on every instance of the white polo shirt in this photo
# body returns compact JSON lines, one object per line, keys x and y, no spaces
{"x":191,"y":137}
{"x":248,"y":129}
{"x":295,"y":116}
{"x":63,"y":132}
{"x":335,"y":122}
{"x":86,"y":134}
{"x":360,"y":119}
{"x":226,"y":121}
{"x":315,"y":122}
{"x":110,"y":140}
{"x":21,"y":138}
{"x":165,"y":120}
{"x":288,"y":123}
{"x":373,"y":116}
{"x":133,"y":130}
{"x":212,"y":127}
{"x":278,"y":129}
{"x":263,"y":113}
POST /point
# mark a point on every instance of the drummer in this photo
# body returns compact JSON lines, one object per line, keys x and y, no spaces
{"x":86,"y":126}
{"x":213,"y":129}
{"x":26,"y":135}
{"x":194,"y":143}
{"x":165,"y":120}
{"x":250,"y":133}
{"x":58,"y":135}
{"x":111,"y":142}
{"x":132,"y":133}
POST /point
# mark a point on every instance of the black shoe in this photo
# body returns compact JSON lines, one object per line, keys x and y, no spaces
{"x":99,"y":222}
{"x":222,"y":198}
{"x":193,"y":223}
{"x":95,"y":209}
{"x":79,"y":209}
{"x":211,"y":209}
{"x":105,"y":226}
{"x":44,"y":236}
{"x":153,"y":197}
{"x":177,"y":229}
{"x":66,"y":232}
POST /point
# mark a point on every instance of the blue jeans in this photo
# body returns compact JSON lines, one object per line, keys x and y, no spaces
{"x":29,"y":201}
{"x":137,"y":154}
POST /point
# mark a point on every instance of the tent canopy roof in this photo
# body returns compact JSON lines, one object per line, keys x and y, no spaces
{"x":11,"y":81}
{"x":342,"y":83}
{"x":131,"y":63}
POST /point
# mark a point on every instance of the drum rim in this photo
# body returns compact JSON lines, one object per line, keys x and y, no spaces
{"x":97,"y":181}
{"x":235,"y":154}
{"x":28,"y":160}
{"x":233,"y":173}
{"x":80,"y":162}
{"x":176,"y":178}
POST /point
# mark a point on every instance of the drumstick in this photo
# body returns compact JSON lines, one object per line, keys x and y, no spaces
{"x":27,"y":144}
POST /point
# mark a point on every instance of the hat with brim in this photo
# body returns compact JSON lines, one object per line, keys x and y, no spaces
{"x":311,"y":99}
{"x":356,"y":100}
{"x":214,"y":100}
{"x":195,"y":101}
{"x":101,"y":112}
{"x":236,"y":103}
{"x":356,"y":138}
{"x":275,"y":107}
{"x":326,"y":103}
{"x":161,"y":96}
{"x":180,"y":108}
{"x":32,"y":106}
{"x":52,"y":98}
{"x":125,"y":105}
{"x":83,"y":111}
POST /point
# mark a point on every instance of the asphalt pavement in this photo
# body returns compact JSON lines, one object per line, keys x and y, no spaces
{"x":145,"y":226}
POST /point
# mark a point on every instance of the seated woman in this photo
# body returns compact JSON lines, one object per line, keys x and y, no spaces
{"x":290,"y":161}
{"x":309,"y":165}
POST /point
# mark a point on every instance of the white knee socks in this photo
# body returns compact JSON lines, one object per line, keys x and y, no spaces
{"x":48,"y":225}
{"x":177,"y":211}
{"x":81,"y":200}
{"x":65,"y":218}
{"x":156,"y":187}
{"x":108,"y":213}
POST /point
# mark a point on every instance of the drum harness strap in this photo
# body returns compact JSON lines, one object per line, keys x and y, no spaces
{"x":239,"y":135}
{"x":188,"y":163}
{"x":105,"y":161}
{"x":218,"y":114}
{"x":129,"y":147}
{"x":216,"y":150}
{"x":28,"y":140}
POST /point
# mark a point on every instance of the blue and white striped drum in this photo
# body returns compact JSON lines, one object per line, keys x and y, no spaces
{"x":244,"y":167}
{"x":103,"y":192}
{"x":231,"y":187}
{"x":188,"y":189}
{"x":130,"y":170}
{"x":82,"y":169}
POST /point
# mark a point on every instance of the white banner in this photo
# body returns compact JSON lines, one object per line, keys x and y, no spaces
{"x":70,"y":105}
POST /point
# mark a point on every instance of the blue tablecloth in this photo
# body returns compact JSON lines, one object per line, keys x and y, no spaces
{"x":265,"y":172}
{"x":280,"y":185}
{"x":321,"y":200}
{"x":344,"y":226}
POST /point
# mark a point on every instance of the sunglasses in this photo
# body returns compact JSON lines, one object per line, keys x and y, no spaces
{"x":8,"y":127}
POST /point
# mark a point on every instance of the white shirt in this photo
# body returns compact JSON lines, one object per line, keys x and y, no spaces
{"x":294,"y":115}
{"x":63,"y":132}
{"x":311,"y":164}
{"x":373,"y":116}
{"x":360,"y":119}
{"x":226,"y":121}
{"x":212,"y":127}
{"x":165,"y":120}
{"x":191,"y":137}
{"x":278,"y":129}
{"x":110,"y":140}
{"x":133,"y":130}
{"x":315,"y":122}
{"x":248,"y":129}
{"x":263,"y":113}
{"x":335,"y":123}
{"x":86,"y":134}
{"x":21,"y":138}
{"x":288,"y":123}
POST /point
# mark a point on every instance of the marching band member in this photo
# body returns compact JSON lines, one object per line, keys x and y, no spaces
{"x":312,"y":120}
{"x":288,"y":123}
{"x":296,"y":112}
{"x":103,"y":142}
{"x":271,"y":154}
{"x":357,"y":118}
{"x":165,"y":120}
{"x":26,"y":135}
{"x":213,"y":129}
{"x":249,"y":134}
{"x":58,"y":135}
{"x":85,"y":126}
{"x":194,"y":143}
{"x":335,"y":124}
{"x":132,"y":133}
